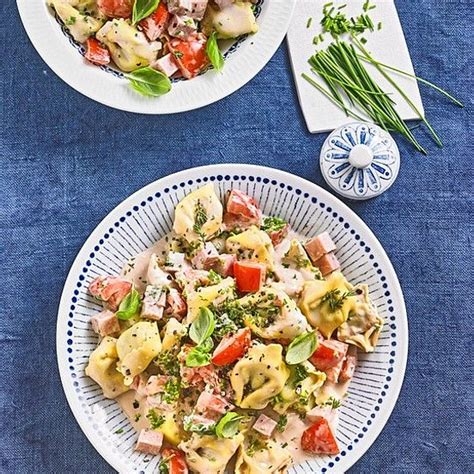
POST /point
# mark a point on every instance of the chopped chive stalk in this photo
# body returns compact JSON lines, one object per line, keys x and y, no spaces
{"x":308,"y":23}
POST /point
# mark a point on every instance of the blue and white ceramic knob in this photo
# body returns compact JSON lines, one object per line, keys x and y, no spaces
{"x":360,"y":160}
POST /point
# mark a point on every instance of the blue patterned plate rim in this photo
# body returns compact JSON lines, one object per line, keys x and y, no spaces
{"x":317,"y":198}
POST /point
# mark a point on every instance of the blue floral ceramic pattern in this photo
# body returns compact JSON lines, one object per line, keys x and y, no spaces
{"x":360,"y":160}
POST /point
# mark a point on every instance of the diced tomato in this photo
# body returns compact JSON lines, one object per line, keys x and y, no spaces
{"x":319,"y":438}
{"x":175,"y":460}
{"x":329,"y":354}
{"x":241,"y":204}
{"x":155,"y":24}
{"x":96,"y":53}
{"x":190,"y":55}
{"x":116,"y":8}
{"x":249,"y":276}
{"x":278,"y":235}
{"x":232,"y":347}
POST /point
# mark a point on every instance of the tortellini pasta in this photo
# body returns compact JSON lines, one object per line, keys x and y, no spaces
{"x":231,"y":21}
{"x":80,"y":25}
{"x":319,"y":313}
{"x":128,"y":47}
{"x":304,"y":381}
{"x":272,"y":314}
{"x":209,"y":454}
{"x":198,"y":215}
{"x":267,"y":457}
{"x":205,"y":295}
{"x":253,"y":244}
{"x":136,"y":348}
{"x":363,"y":325}
{"x":259,"y":376}
{"x":172,"y":335}
{"x":102,"y":368}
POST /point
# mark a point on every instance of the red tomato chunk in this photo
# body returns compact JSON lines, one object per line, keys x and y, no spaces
{"x":319,"y":438}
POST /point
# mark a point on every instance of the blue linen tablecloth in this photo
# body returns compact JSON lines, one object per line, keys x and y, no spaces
{"x":67,"y":161}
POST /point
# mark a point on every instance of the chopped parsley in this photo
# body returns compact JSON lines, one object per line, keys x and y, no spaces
{"x":214,"y":278}
{"x":172,"y":390}
{"x":273,"y":224}
{"x":282,"y":422}
{"x":70,"y":21}
{"x":335,"y":298}
{"x":155,"y":420}
{"x":200,"y":218}
{"x":119,"y":431}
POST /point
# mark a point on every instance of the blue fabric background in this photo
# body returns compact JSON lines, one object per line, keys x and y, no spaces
{"x":67,"y":161}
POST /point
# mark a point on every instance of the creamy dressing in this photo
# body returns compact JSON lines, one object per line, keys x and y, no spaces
{"x":137,"y":416}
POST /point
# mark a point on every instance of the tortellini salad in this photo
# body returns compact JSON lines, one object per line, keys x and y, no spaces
{"x":154,"y":40}
{"x":230,"y":343}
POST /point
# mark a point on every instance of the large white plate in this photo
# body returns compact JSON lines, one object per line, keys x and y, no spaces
{"x":241,"y":66}
{"x":146,"y":216}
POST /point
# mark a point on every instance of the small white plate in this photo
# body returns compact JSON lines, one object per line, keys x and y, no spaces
{"x":146,"y":216}
{"x":245,"y":60}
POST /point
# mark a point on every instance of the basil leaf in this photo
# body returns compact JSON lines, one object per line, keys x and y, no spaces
{"x":198,"y":357}
{"x":130,"y":306}
{"x":214,"y":53}
{"x":149,"y":82}
{"x":143,"y":8}
{"x":301,"y":348}
{"x":228,"y":425}
{"x":203,"y":326}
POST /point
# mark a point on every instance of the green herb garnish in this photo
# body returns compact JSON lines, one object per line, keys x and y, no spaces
{"x":301,"y":348}
{"x":203,"y":326}
{"x":119,"y":431}
{"x":149,"y":82}
{"x":228,"y":425}
{"x":130,"y":306}
{"x":214,"y":53}
{"x":143,"y":8}
{"x":282,"y":422}
{"x":200,"y":218}
{"x":155,"y":420}
{"x":335,"y":298}
{"x":172,"y":390}
{"x":273,"y":224}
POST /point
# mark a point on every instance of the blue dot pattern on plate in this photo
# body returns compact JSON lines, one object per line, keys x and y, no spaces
{"x":147,"y":220}
{"x":117,"y":73}
{"x":353,"y":182}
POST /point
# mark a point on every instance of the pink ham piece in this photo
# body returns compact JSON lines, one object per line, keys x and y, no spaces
{"x":349,"y":365}
{"x":149,"y":442}
{"x":182,"y":26}
{"x":193,"y":8}
{"x":197,"y":377}
{"x":156,"y":384}
{"x":223,"y":3}
{"x":241,"y":211}
{"x":278,"y":235}
{"x":264,"y":425}
{"x":212,"y":406}
{"x":222,"y":264}
{"x":208,"y":251}
{"x":167,"y":65}
{"x":105,"y":323}
{"x":319,"y":246}
{"x":154,"y":303}
{"x":328,"y":264}
{"x":175,"y":262}
{"x":175,"y":304}
{"x":111,"y":290}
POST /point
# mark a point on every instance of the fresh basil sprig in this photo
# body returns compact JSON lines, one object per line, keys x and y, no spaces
{"x":200,"y":355}
{"x":214,"y":53}
{"x":143,"y":8}
{"x":149,"y":82}
{"x":203,"y":326}
{"x":228,"y":425}
{"x":130,"y":306}
{"x":301,"y":348}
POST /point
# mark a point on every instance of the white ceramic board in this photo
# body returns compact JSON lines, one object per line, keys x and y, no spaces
{"x":387,"y":45}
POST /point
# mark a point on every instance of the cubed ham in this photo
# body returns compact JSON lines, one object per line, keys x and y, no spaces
{"x":139,"y":384}
{"x":329,"y":358}
{"x":349,"y":365}
{"x":222,"y":264}
{"x":175,"y":304}
{"x":241,"y":211}
{"x":328,"y":264}
{"x":193,"y":8}
{"x":105,"y":323}
{"x":154,"y":303}
{"x":111,"y":290}
{"x":212,"y":406}
{"x":149,"y":442}
{"x":156,"y":384}
{"x":319,"y":246}
{"x":155,"y":24}
{"x":264,"y":425}
{"x":182,"y":26}
{"x":208,"y":251}
{"x":278,"y":235}
{"x":175,"y":262}
{"x":197,"y":377}
{"x":223,"y":3}
{"x":167,"y":65}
